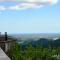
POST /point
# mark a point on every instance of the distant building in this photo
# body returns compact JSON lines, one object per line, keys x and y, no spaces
{"x":6,"y":42}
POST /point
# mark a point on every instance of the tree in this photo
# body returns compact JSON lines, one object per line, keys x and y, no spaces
{"x":15,"y":52}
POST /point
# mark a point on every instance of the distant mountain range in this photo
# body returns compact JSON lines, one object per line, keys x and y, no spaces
{"x":43,"y":42}
{"x":42,"y":39}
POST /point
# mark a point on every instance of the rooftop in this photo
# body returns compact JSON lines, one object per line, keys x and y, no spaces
{"x":6,"y":38}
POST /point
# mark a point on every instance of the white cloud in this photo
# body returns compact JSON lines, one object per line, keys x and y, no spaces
{"x":23,"y":6}
{"x":2,"y":8}
{"x":30,"y":4}
{"x":53,"y":1}
{"x":33,"y":4}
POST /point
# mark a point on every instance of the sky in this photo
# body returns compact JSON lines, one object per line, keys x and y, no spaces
{"x":30,"y":18}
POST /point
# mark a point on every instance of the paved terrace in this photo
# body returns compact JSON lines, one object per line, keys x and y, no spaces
{"x":3,"y":56}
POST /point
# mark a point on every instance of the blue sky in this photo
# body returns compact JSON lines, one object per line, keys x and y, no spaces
{"x":34,"y":20}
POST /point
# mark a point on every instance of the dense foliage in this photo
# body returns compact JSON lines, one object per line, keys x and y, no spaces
{"x":37,"y":52}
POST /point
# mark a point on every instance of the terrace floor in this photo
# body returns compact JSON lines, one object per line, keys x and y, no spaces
{"x":3,"y":56}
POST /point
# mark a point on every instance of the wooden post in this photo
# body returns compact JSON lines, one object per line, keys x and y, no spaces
{"x":0,"y":33}
{"x":6,"y":44}
{"x":6,"y":36}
